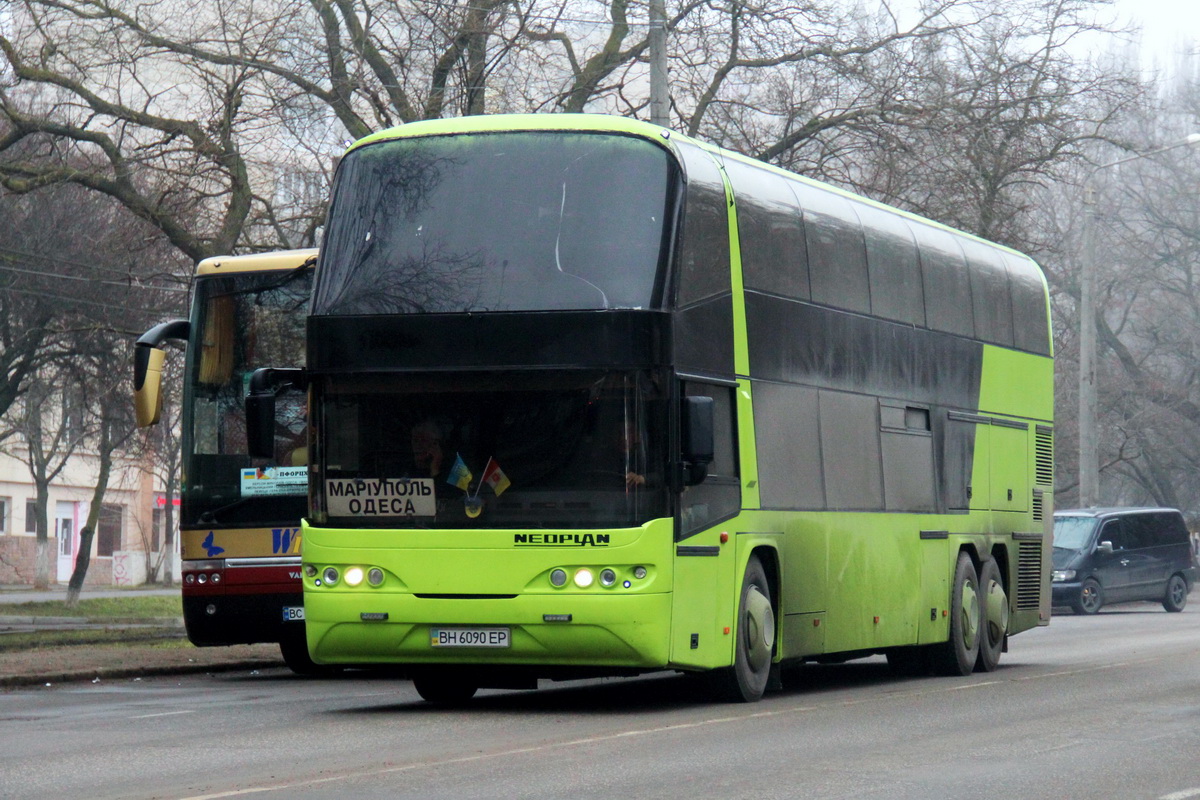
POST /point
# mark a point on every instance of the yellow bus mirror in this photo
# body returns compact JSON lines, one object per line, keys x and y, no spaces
{"x":147,"y":397}
{"x":147,"y":369}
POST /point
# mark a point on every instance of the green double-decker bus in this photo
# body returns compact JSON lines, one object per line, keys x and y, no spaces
{"x":589,"y":397}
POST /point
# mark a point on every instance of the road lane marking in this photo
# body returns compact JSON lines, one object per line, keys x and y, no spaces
{"x":310,"y":782}
{"x":1182,"y":795}
{"x":163,"y":714}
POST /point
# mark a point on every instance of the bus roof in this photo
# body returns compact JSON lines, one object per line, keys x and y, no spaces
{"x":494,"y":123}
{"x":256,"y":262}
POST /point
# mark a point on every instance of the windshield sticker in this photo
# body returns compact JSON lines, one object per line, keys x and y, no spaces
{"x":267,"y":481}
{"x":357,"y":497}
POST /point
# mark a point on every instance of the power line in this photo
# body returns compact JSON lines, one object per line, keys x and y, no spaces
{"x":70,"y":299}
{"x":8,"y":254}
{"x":92,"y":280}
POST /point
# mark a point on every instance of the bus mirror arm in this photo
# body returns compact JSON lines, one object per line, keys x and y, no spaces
{"x":698,"y":439}
{"x":265,"y":384}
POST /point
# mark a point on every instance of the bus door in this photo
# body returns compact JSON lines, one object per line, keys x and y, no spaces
{"x":704,"y":581}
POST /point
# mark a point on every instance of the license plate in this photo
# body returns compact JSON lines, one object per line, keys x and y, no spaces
{"x":469,"y":637}
{"x":293,"y":613}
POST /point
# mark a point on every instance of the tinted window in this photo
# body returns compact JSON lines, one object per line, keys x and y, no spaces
{"x":704,"y":255}
{"x":495,"y":222}
{"x":947,"y":283}
{"x":1030,"y":320}
{"x":719,"y":496}
{"x":770,"y":232}
{"x":1116,"y":532}
{"x":895,"y":271}
{"x":837,"y":256}
{"x":990,"y":297}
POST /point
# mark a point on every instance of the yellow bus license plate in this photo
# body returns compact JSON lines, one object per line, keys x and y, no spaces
{"x":469,"y":637}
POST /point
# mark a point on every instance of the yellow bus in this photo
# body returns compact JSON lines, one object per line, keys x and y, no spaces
{"x":239,"y":517}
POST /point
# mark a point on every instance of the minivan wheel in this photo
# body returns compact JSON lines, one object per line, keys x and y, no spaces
{"x":1091,"y":598}
{"x":1176,"y":597}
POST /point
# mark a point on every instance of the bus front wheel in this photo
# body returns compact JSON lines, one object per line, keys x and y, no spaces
{"x":746,"y":680}
{"x":294,"y":649}
{"x":446,"y":690}
{"x":957,"y":656}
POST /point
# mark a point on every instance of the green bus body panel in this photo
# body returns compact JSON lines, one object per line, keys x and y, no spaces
{"x":846,"y":581}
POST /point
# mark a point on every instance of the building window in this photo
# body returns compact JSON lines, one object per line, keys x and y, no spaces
{"x":108,"y":529}
{"x":31,"y":516}
{"x":5,"y":504}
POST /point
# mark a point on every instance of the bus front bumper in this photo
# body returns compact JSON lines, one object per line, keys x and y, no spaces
{"x":370,"y":627}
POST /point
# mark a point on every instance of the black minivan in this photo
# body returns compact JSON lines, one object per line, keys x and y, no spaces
{"x":1114,"y":555}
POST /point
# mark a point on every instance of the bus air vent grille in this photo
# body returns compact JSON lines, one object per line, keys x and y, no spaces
{"x":1037,"y":504}
{"x":1044,"y":463}
{"x":1029,"y":575}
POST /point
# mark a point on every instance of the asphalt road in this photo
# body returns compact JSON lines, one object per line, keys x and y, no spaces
{"x":1102,"y":707}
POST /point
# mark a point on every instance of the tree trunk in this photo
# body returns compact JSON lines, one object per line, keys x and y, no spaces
{"x":41,"y":564}
{"x":84,"y":559}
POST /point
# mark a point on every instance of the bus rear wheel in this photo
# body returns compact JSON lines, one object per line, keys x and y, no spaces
{"x":445,"y":690}
{"x":995,"y":617}
{"x":746,"y":680}
{"x":957,"y":656}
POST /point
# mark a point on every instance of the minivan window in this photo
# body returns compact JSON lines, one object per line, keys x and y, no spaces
{"x":1119,"y":534}
{"x":1072,"y":533}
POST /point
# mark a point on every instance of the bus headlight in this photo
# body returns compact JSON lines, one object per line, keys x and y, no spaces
{"x":607,"y":577}
{"x":584,"y":578}
{"x":330,"y":575}
{"x":639,"y":572}
{"x":558,"y":577}
{"x":354,"y":576}
{"x":310,"y":570}
{"x":375,"y":576}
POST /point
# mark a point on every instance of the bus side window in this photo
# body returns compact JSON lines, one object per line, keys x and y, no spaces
{"x":719,"y":497}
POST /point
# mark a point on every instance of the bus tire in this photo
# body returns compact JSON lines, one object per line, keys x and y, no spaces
{"x":958,"y":654}
{"x":754,"y":647}
{"x":445,"y":690}
{"x":294,"y":650}
{"x":994,"y":624}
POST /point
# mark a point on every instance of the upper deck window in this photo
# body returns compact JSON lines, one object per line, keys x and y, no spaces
{"x":520,"y":221}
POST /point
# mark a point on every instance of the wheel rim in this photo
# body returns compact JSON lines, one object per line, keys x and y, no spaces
{"x":969,"y":615}
{"x":997,"y":611}
{"x":760,"y":629}
{"x":1089,"y":598}
{"x":1178,"y":591}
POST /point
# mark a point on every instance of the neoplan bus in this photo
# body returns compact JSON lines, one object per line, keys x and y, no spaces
{"x":590,"y":397}
{"x":239,"y":517}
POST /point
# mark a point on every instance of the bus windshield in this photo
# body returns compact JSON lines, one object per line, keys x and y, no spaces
{"x":240,"y":323}
{"x":580,"y":449}
{"x":496,"y":222}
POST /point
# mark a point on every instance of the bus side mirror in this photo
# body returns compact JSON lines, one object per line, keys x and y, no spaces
{"x":265,"y":384}
{"x":148,"y":358}
{"x":697,"y":430}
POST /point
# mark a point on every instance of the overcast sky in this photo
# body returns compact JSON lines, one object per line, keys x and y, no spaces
{"x":1167,"y":26}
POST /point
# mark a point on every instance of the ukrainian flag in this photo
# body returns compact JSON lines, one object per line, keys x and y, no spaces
{"x":460,"y":476}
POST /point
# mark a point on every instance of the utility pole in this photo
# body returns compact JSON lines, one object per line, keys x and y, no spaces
{"x":660,"y":109}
